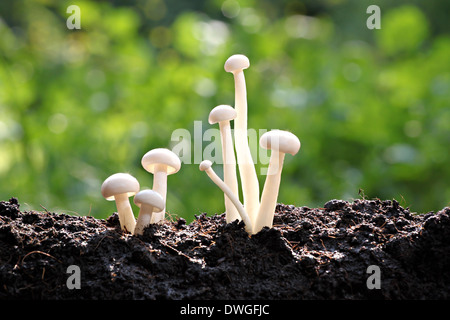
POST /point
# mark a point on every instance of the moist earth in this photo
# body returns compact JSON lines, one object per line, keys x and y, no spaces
{"x":365,"y":249}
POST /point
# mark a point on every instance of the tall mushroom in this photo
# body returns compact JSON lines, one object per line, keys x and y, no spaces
{"x":161,"y":162}
{"x":222,"y":114}
{"x":250,"y":186}
{"x":280,"y":142}
{"x":119,"y":187}
{"x":148,"y":201}
{"x":205,"y":165}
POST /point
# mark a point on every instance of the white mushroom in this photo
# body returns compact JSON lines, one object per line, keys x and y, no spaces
{"x":280,"y":142}
{"x":250,"y":186}
{"x":222,"y":114}
{"x":148,"y":201}
{"x":120,"y":187}
{"x":161,"y":162}
{"x":206,"y":166}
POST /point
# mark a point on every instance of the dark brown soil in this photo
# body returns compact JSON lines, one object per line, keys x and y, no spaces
{"x":311,"y":253}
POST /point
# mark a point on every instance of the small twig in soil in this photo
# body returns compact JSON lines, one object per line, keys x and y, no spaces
{"x":37,"y":251}
{"x":45,"y":209}
{"x":178,"y":252}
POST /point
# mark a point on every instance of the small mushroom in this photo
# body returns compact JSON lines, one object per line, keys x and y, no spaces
{"x":205,"y":165}
{"x":119,"y":187}
{"x":148,"y":201}
{"x":250,"y":186}
{"x":222,"y":114}
{"x":280,"y":142}
{"x":161,"y":162}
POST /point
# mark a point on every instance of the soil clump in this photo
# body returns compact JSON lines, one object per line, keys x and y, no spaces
{"x":310,"y":253}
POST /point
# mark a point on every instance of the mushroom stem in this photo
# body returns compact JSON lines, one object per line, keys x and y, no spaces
{"x":229,"y":170}
{"x":126,"y":217}
{"x":249,"y":179}
{"x":160,"y":186}
{"x":144,"y":218}
{"x":270,"y":192}
{"x":206,"y":166}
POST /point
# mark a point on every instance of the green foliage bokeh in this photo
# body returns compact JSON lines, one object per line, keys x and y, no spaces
{"x":371,"y":107}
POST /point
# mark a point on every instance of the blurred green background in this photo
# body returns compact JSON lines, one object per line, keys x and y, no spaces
{"x":371,"y":107}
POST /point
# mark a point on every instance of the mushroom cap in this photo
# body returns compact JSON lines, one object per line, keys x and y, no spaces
{"x":222,"y":113}
{"x":236,"y":62}
{"x":151,"y":198}
{"x":205,"y":165}
{"x":119,"y":183}
{"x":282,"y":141}
{"x":160,"y":156}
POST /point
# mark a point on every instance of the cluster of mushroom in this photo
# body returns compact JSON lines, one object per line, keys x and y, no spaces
{"x":152,"y":203}
{"x":162,"y":162}
{"x":254,"y":213}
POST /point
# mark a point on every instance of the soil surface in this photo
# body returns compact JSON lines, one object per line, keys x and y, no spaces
{"x":310,"y":253}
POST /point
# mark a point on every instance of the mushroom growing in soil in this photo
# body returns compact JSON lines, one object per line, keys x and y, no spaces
{"x":148,"y":201}
{"x":206,"y":166}
{"x":161,"y":162}
{"x":250,"y":186}
{"x":222,"y":114}
{"x":280,"y":142}
{"x":119,"y":187}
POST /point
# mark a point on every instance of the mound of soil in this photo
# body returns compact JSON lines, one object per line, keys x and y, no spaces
{"x":310,"y":253}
